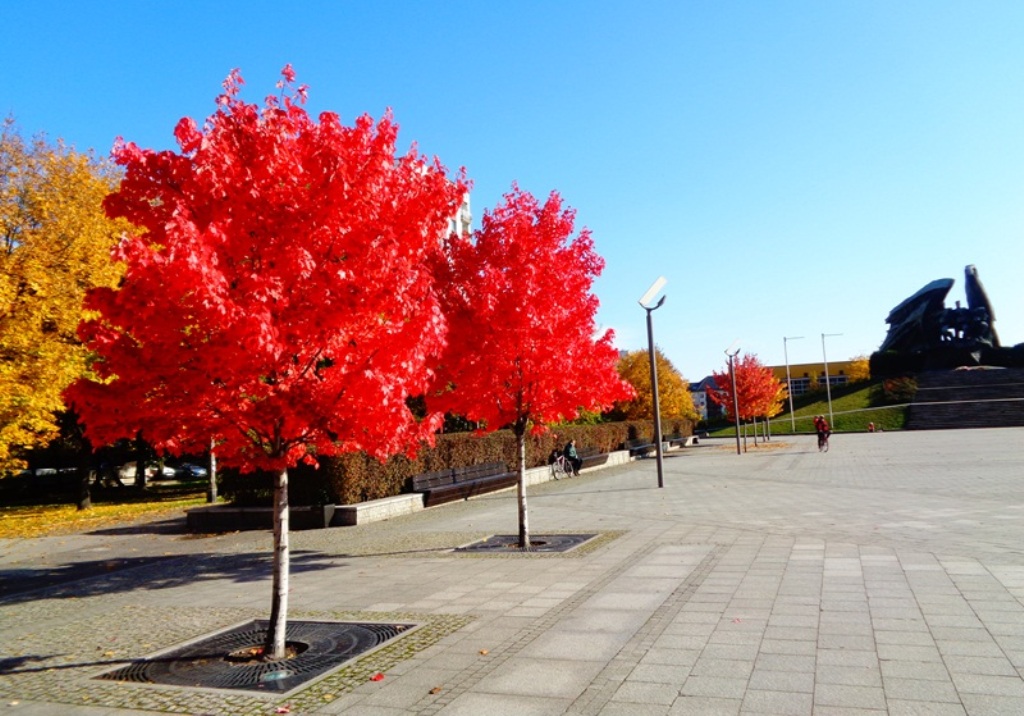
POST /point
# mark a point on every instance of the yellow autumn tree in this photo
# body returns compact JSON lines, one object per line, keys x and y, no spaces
{"x":674,"y":399}
{"x":860,"y":369}
{"x":56,"y":244}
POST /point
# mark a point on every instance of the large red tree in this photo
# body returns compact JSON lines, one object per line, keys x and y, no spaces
{"x":278,"y":300}
{"x":523,"y":350}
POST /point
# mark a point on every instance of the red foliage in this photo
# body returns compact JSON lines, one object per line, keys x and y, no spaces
{"x":522,"y":348}
{"x":760,"y":392}
{"x":279,"y":298}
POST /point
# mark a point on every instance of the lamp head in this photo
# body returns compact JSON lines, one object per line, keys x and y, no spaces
{"x":646,"y":299}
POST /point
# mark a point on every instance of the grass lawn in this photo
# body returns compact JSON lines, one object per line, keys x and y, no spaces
{"x":853,"y":407}
{"x":111,"y":507}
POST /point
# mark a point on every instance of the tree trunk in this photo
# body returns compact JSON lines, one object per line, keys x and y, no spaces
{"x":85,"y":476}
{"x":211,"y":490}
{"x":273,"y":648}
{"x":140,"y":462}
{"x":524,"y":525}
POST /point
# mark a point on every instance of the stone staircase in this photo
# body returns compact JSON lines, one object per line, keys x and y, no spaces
{"x":968,"y":399}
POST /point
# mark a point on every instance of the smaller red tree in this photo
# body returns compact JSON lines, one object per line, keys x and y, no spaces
{"x":522,"y":349}
{"x":760,"y":393}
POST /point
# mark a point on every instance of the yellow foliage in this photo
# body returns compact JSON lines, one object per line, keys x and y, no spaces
{"x":859,"y":370}
{"x":55,"y":244}
{"x":674,"y":399}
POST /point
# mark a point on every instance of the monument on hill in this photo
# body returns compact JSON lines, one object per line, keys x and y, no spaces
{"x":926,"y":335}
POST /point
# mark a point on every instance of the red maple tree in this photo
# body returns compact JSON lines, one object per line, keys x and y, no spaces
{"x":522,"y":348}
{"x":760,"y":393}
{"x":278,"y":300}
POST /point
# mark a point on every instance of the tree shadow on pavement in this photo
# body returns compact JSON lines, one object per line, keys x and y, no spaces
{"x":76,"y":580}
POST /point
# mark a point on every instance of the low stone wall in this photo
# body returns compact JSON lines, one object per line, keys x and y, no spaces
{"x":229,"y":518}
{"x":377,"y":510}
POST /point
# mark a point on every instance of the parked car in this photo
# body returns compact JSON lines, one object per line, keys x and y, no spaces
{"x":189,"y":470}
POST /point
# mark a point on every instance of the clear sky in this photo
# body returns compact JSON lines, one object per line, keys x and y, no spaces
{"x":792,"y":168}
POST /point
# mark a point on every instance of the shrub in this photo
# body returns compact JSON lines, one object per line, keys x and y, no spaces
{"x":356,"y":477}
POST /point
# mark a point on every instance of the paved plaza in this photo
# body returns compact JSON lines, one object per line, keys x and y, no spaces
{"x":886,"y":576}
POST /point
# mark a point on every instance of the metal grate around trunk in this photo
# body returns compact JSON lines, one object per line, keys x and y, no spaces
{"x":220,"y":661}
{"x":509,"y":544}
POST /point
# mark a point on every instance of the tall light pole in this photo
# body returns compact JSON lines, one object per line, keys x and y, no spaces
{"x":645,"y":301}
{"x":789,"y":381}
{"x":828,"y":386}
{"x":735,"y":395}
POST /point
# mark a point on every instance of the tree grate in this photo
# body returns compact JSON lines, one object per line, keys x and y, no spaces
{"x":217,"y":661}
{"x":509,"y":544}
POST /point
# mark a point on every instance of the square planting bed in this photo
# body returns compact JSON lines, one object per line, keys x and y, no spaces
{"x":225,"y":660}
{"x":509,"y":544}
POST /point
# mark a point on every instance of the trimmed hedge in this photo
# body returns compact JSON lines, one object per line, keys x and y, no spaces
{"x":356,"y":477}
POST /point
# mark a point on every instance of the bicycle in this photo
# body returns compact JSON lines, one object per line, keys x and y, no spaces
{"x":561,"y":468}
{"x":823,"y":441}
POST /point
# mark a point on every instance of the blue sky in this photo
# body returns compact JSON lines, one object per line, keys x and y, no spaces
{"x":792,"y":168}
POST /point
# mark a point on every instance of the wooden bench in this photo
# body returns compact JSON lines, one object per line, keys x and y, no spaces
{"x":462,"y":482}
{"x":639,"y":447}
{"x":592,"y":457}
{"x":677,"y":440}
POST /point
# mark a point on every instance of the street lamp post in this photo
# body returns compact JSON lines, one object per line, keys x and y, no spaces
{"x":645,"y":301}
{"x":828,"y":383}
{"x":789,"y":381}
{"x":735,"y":395}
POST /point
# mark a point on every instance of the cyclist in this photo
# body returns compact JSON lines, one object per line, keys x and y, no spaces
{"x":821,"y":426}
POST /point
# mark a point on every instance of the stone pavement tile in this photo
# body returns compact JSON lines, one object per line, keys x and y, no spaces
{"x":671,"y":657}
{"x":601,"y":620}
{"x":622,"y":708}
{"x":991,"y":666}
{"x":579,"y":646}
{"x":860,"y":697}
{"x":475,"y":704}
{"x":960,"y":634}
{"x":924,"y":708}
{"x":363,"y":709}
{"x":928,"y":670}
{"x":794,"y":633}
{"x":785,"y":662}
{"x":660,"y":673}
{"x":846,"y":641}
{"x":898,"y":624}
{"x":907,"y":638}
{"x":715,"y":686}
{"x":848,"y":675}
{"x":729,"y":636}
{"x":921,"y":690}
{"x":970,"y":648}
{"x":730,"y":651}
{"x":792,"y":681}
{"x":992,"y":685}
{"x":788,"y":646}
{"x":559,"y":679}
{"x":778,"y":703}
{"x":990,"y":705}
{"x":847,"y":711}
{"x":673,"y":640}
{"x":407,"y":689}
{"x":903,"y":652}
{"x":806,"y":621}
{"x":705,"y":706}
{"x":646,"y":692}
{"x":729,"y":668}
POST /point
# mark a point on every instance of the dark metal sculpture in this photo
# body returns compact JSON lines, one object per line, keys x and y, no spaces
{"x":922,"y":323}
